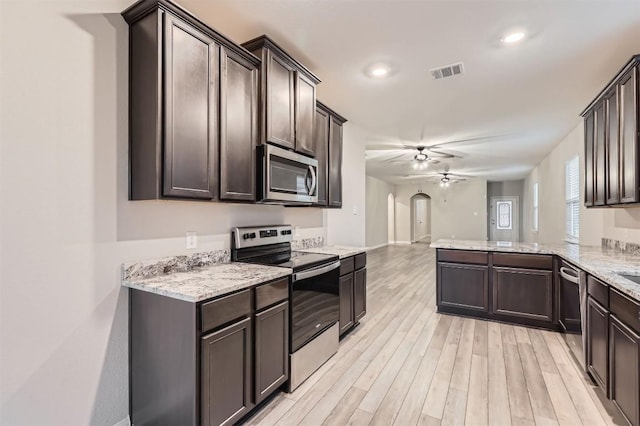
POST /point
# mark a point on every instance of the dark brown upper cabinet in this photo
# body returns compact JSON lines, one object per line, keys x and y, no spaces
{"x":612,"y":175}
{"x":599,"y":155}
{"x":629,"y":182}
{"x":287,"y":98}
{"x":328,"y":143}
{"x":588,"y":159}
{"x":335,"y":161}
{"x":321,"y":141}
{"x":193,"y":102}
{"x":238,"y":127}
{"x":612,"y":149}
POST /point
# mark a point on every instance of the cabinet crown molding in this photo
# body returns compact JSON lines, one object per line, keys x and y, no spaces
{"x":635,"y":60}
{"x":265,"y":42}
{"x":142,"y":8}
{"x":325,"y":108}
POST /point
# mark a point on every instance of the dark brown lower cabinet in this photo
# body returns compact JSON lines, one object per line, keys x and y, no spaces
{"x":271,"y":351}
{"x":347,"y":319}
{"x":624,"y":347}
{"x":598,"y":343}
{"x":524,"y":293}
{"x":360,"y":293}
{"x":353,"y":291}
{"x":226,"y":373}
{"x":463,"y":286}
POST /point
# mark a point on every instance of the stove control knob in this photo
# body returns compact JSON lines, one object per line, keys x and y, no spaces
{"x":253,"y":235}
{"x":245,"y":236}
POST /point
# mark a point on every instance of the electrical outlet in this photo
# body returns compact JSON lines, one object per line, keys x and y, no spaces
{"x":355,"y":210}
{"x":192,"y":240}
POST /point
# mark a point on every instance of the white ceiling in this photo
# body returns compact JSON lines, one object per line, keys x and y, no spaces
{"x":529,"y":94}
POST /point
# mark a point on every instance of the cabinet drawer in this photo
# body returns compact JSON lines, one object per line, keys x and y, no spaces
{"x":531,"y":261}
{"x":268,"y":294}
{"x":463,"y":256}
{"x":626,"y":309}
{"x":225,"y":309}
{"x":347,"y":265}
{"x":598,"y":290}
{"x":360,"y":260}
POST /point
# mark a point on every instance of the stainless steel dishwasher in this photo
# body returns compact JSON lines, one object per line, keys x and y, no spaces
{"x":573,"y":310}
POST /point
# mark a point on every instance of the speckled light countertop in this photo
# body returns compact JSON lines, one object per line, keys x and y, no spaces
{"x":603,"y":263}
{"x":207,"y":282}
{"x":342,"y":251}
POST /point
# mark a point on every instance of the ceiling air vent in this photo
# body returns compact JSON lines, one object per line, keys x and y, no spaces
{"x":447,"y":71}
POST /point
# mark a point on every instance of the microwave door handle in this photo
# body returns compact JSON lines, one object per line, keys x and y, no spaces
{"x":314,"y":180}
{"x":315,"y":271}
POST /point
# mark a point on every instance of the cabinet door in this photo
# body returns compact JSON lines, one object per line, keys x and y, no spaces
{"x":624,"y":347}
{"x":588,"y":159}
{"x":280,"y":112}
{"x":599,"y":155}
{"x":190,"y":111}
{"x":598,"y":343}
{"x":305,"y":114}
{"x":523,"y":293}
{"x":346,"y":303}
{"x":360,"y":293}
{"x":463,"y":286}
{"x":335,"y":163}
{"x":628,"y":138}
{"x":612,"y":148}
{"x":226,"y":374}
{"x":238,"y":127}
{"x":272,"y":350}
{"x":321,"y":143}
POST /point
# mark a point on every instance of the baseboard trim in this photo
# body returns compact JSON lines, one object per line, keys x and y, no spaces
{"x":375,"y":247}
{"x":403,"y":242}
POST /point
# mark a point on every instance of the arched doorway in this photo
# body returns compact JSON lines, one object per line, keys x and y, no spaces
{"x":391,"y":219}
{"x":421,"y":218}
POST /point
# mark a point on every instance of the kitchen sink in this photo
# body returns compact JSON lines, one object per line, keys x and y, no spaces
{"x":634,"y":278}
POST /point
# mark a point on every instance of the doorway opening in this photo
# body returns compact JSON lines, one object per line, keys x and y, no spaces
{"x":421,"y":218}
{"x":391,"y":219}
{"x":504,"y":224}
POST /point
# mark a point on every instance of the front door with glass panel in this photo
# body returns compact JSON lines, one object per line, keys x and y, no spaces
{"x":504,"y":217}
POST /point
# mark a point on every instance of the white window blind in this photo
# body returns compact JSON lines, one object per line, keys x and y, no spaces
{"x":535,"y":206}
{"x":572,"y":197}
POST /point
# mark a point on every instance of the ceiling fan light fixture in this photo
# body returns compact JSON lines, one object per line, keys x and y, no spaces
{"x":421,"y":157}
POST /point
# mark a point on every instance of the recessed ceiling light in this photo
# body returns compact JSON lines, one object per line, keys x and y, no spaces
{"x":379,"y":70}
{"x":513,"y":37}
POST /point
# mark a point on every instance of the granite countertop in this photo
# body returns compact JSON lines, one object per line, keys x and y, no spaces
{"x":603,"y":263}
{"x":342,"y":251}
{"x":204,"y":283}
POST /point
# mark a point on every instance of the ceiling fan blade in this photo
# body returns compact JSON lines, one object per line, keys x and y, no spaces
{"x":479,"y":139}
{"x":384,"y":147}
{"x":443,"y":154}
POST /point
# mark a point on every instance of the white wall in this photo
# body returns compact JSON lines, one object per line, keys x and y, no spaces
{"x":377,"y":212}
{"x":346,"y":226}
{"x":66,"y":223}
{"x":550,"y":175}
{"x":460,"y":212}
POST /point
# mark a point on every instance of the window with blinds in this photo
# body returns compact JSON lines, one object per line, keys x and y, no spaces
{"x":572,"y":200}
{"x":535,"y":206}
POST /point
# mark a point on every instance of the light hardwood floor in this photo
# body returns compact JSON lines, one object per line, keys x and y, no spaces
{"x":406,"y":364}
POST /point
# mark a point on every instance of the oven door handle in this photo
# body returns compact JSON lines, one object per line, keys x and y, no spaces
{"x":315,"y":271}
{"x":566,"y":273}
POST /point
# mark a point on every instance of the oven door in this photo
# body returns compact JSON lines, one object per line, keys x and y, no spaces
{"x":287,"y":176}
{"x":315,"y":303}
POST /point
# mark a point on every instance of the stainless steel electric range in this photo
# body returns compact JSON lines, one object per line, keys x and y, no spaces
{"x":313,"y":294}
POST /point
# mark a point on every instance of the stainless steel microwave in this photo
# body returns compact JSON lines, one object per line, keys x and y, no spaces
{"x":285,"y":176}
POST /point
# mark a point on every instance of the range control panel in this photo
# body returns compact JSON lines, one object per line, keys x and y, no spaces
{"x":259,"y":236}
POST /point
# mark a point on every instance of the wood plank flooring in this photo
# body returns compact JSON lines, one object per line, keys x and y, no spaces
{"x":405,"y":364}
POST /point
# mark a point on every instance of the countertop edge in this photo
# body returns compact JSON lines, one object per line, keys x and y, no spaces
{"x":278,"y":272}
